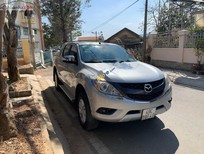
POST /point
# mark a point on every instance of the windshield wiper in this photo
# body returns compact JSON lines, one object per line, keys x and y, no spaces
{"x":126,"y":61}
{"x":110,"y":61}
{"x":93,"y":61}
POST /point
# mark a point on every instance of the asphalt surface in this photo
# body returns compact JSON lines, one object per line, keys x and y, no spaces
{"x":180,"y":130}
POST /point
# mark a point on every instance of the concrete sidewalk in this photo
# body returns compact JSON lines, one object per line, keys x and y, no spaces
{"x":54,"y":142}
{"x":57,"y":141}
{"x":186,"y":78}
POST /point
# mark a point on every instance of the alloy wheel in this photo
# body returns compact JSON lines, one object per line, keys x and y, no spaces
{"x":82,"y":110}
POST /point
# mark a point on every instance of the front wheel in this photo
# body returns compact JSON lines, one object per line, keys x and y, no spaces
{"x":84,"y":112}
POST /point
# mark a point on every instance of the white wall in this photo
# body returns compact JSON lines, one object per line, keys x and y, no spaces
{"x":171,"y":54}
{"x":180,"y":54}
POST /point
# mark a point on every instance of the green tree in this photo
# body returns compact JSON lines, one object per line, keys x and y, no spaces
{"x":49,"y":36}
{"x":64,"y":17}
{"x":167,"y":15}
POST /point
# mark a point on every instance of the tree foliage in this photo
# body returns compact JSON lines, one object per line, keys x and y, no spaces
{"x":49,"y":36}
{"x":199,"y":43}
{"x":172,"y":15}
{"x":64,"y":18}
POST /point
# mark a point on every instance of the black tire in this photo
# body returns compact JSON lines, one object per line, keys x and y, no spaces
{"x":85,"y":117}
{"x":56,"y":81}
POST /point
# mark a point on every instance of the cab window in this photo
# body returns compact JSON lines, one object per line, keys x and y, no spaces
{"x":66,"y":51}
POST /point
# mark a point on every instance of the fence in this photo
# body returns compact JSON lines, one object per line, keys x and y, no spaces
{"x":174,"y":50}
{"x":191,"y":39}
{"x":43,"y":58}
{"x":166,"y":40}
{"x":47,"y":57}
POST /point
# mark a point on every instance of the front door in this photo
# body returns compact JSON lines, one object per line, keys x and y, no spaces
{"x":71,"y":71}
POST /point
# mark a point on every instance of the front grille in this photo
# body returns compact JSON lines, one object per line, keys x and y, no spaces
{"x":140,"y":85}
{"x":143,"y":97}
{"x":136,"y":91}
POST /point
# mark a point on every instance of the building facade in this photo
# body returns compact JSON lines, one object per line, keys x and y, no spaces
{"x":24,"y":54}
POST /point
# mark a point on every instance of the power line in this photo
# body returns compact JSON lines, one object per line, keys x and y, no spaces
{"x":107,"y":21}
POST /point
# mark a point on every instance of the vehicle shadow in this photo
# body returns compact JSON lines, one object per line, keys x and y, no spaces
{"x":142,"y":137}
{"x":54,"y":129}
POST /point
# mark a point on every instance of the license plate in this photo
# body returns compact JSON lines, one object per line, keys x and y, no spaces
{"x":148,"y":113}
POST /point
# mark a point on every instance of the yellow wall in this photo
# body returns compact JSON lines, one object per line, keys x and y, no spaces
{"x":26,"y":54}
{"x":26,"y":51}
{"x":5,"y":65}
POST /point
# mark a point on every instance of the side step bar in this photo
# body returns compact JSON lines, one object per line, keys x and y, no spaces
{"x":64,"y":89}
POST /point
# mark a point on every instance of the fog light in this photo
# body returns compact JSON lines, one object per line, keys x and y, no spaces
{"x":106,"y":111}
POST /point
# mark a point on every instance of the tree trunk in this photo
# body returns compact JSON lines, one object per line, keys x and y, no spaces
{"x":64,"y":31}
{"x":7,"y":123}
{"x":11,"y":47}
{"x":11,"y":44}
{"x":1,"y":43}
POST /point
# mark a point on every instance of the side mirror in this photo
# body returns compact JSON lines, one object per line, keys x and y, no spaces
{"x":70,"y":59}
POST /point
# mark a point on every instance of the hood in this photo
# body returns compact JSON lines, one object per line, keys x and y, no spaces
{"x":126,"y":72}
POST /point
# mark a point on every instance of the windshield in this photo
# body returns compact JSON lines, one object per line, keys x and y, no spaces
{"x":99,"y":53}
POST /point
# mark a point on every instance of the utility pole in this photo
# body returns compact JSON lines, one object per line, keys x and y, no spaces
{"x":159,"y":17}
{"x":29,"y":13}
{"x":145,"y":32}
{"x":95,"y":35}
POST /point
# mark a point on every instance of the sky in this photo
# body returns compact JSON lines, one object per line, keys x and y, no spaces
{"x":102,"y":10}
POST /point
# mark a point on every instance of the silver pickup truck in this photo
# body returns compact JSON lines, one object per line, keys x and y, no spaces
{"x":108,"y":84}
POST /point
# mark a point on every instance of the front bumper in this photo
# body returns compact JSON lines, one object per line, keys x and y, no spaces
{"x":125,"y":109}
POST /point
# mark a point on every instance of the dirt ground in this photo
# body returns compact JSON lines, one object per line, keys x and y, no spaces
{"x":28,"y":123}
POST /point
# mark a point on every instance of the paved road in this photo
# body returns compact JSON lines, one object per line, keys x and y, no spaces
{"x":180,"y":130}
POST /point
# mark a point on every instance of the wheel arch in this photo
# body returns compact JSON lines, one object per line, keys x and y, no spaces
{"x":90,"y":122}
{"x":79,"y":89}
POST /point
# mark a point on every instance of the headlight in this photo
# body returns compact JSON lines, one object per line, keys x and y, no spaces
{"x":167,"y":82}
{"x":106,"y":88}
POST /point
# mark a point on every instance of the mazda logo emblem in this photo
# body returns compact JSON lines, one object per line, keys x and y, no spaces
{"x":148,"y":88}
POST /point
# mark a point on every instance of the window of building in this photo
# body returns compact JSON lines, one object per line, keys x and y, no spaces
{"x":18,"y":32}
{"x":35,"y":31}
{"x":25,"y":31}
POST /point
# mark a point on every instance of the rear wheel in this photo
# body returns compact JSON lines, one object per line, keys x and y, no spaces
{"x":84,"y":112}
{"x":56,"y":81}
